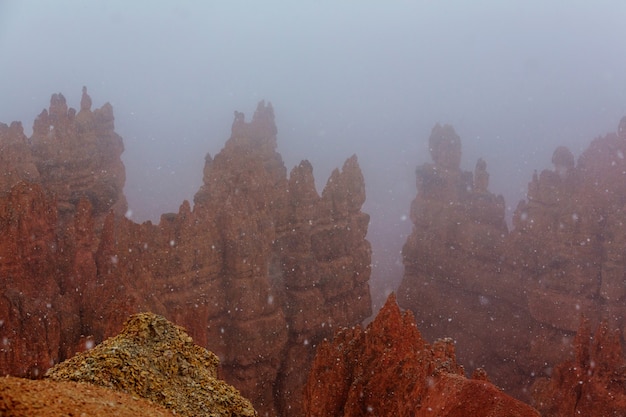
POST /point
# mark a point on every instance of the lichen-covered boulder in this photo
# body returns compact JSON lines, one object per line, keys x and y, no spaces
{"x":155,"y":359}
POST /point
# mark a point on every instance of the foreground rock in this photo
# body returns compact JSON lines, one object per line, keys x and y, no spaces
{"x":154,"y":359}
{"x":388,"y":369}
{"x":259,"y":271}
{"x":25,"y":398}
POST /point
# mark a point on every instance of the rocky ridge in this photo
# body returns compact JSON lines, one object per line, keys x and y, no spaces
{"x":263,"y":268}
{"x":154,"y":359}
{"x":388,"y":369}
{"x":151,"y":367}
{"x":259,"y":271}
{"x":593,"y":382}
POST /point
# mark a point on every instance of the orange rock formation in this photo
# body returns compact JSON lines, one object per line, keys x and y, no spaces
{"x":524,"y":291}
{"x":260,"y":271}
{"x":593,"y":383}
{"x":388,"y":369}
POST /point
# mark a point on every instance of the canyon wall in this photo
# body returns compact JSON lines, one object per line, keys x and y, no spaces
{"x":524,"y":291}
{"x":259,"y":271}
{"x":263,"y":269}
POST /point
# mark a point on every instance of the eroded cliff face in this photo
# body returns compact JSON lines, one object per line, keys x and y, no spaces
{"x":525,"y":291}
{"x":78,"y":156}
{"x":388,"y":369}
{"x":592,"y":383}
{"x":30,"y":329}
{"x":71,"y":155}
{"x":259,"y":272}
{"x":569,"y":236}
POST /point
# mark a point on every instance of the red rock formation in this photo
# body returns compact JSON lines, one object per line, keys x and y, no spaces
{"x":569,"y":238}
{"x":592,"y":383}
{"x":525,"y":291}
{"x":30,"y":329}
{"x":56,"y":189}
{"x":453,"y":263}
{"x":16,"y":157}
{"x":325,"y":267}
{"x":261,"y":269}
{"x":259,"y":272}
{"x":78,"y":156}
{"x":389,"y":370}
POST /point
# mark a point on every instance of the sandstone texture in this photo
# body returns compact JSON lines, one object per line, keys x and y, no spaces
{"x":468,"y":277}
{"x":593,"y":383}
{"x":71,"y":155}
{"x":25,"y":398}
{"x":388,"y":369}
{"x":154,"y":359}
{"x":152,"y":368}
{"x":259,"y":271}
{"x":30,"y":329}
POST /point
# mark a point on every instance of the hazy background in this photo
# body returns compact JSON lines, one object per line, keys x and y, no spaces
{"x":515,"y":78}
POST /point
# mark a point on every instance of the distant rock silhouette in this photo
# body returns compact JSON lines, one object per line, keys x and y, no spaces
{"x":524,"y":291}
{"x":73,"y":156}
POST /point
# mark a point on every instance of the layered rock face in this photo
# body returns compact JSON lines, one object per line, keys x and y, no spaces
{"x":259,"y":272}
{"x":72,"y":155}
{"x":454,"y":258}
{"x":55,"y":191}
{"x":30,"y":328}
{"x":56,"y":188}
{"x":388,"y":369}
{"x":593,"y":383}
{"x":525,"y":291}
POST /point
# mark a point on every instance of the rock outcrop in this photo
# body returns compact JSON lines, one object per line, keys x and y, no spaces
{"x":453,"y":278}
{"x":525,"y":290}
{"x":16,"y":157}
{"x":30,"y":329}
{"x":593,"y":383}
{"x":154,"y":359}
{"x":388,"y":369}
{"x":21,"y":397}
{"x":72,"y":155}
{"x":259,"y":271}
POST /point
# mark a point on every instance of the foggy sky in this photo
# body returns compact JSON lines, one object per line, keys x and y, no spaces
{"x":515,"y":79}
